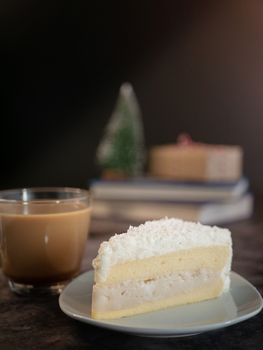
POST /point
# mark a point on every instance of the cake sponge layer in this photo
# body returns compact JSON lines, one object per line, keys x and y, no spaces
{"x":215,"y":257}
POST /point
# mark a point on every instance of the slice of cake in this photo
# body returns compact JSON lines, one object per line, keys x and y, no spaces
{"x":160,"y":264}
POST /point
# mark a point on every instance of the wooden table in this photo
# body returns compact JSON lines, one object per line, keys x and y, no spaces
{"x":38,"y":323}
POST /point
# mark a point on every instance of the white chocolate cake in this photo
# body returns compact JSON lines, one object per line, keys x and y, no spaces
{"x":160,"y":264}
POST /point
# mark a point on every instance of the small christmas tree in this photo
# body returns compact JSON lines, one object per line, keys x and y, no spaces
{"x":121,"y":151}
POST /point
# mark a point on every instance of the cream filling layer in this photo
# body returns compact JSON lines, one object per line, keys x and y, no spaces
{"x":130,"y":293}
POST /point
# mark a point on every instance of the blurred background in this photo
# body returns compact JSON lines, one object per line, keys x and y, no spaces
{"x":196,"y":67}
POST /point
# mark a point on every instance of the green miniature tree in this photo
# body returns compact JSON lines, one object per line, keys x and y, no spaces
{"x":121,"y":151}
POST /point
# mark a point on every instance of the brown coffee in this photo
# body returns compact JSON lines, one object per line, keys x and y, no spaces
{"x":45,"y":243}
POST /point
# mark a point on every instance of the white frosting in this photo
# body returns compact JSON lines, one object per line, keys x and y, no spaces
{"x":155,"y":238}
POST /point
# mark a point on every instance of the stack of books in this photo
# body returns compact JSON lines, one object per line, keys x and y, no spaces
{"x":136,"y":200}
{"x":188,"y":180}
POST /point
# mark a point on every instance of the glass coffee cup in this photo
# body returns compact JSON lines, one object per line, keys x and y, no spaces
{"x":43,"y":232}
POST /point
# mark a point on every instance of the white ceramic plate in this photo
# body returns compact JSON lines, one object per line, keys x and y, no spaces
{"x":240,"y":303}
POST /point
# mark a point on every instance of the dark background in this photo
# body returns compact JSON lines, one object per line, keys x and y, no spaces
{"x":196,"y":66}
